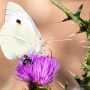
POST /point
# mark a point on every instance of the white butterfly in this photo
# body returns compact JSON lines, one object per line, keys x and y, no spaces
{"x":19,"y":35}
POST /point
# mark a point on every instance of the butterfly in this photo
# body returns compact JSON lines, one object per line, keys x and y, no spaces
{"x":19,"y":35}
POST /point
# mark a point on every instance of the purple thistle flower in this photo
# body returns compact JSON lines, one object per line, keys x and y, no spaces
{"x":40,"y":71}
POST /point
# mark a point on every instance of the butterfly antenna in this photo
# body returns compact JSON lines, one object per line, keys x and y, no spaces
{"x":50,"y":51}
{"x":82,"y":41}
{"x":57,"y":40}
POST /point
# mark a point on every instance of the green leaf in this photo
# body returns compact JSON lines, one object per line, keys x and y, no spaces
{"x":79,"y":11}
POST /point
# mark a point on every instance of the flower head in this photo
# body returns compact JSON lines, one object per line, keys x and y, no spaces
{"x":41,"y":70}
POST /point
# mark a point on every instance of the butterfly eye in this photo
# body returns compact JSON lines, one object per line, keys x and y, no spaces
{"x":18,"y":21}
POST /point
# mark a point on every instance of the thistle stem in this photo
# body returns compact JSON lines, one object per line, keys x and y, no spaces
{"x":32,"y":86}
{"x":68,"y":12}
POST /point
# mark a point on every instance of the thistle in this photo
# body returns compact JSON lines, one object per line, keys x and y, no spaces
{"x":39,"y":73}
{"x":83,"y":24}
{"x":86,"y":77}
{"x":84,"y":27}
{"x":85,"y":82}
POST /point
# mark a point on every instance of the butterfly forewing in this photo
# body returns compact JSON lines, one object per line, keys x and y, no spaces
{"x":19,"y":35}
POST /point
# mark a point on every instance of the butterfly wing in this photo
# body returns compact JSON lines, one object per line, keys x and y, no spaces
{"x":19,"y":35}
{"x":14,"y":12}
{"x":14,"y":45}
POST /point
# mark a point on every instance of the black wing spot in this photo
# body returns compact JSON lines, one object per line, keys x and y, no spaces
{"x":18,"y":21}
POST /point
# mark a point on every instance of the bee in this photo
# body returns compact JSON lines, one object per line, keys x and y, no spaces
{"x":27,"y":60}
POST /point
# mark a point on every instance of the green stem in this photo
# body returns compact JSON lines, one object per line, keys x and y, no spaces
{"x":33,"y":86}
{"x":68,"y":12}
